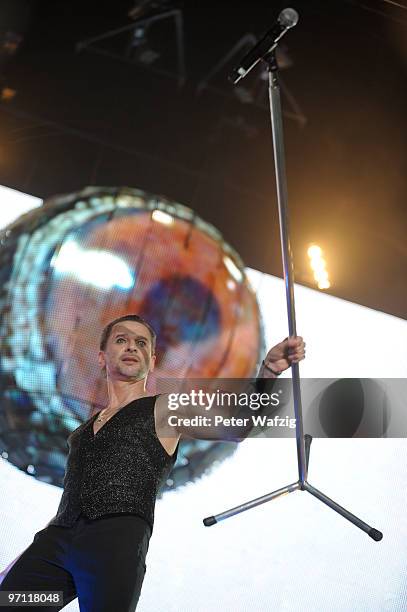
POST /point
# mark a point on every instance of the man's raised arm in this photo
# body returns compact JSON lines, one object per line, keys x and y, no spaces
{"x":224,"y":415}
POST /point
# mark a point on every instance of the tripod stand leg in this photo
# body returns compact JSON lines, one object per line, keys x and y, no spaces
{"x":371,"y":531}
{"x":308,"y":440}
{"x":212,"y":520}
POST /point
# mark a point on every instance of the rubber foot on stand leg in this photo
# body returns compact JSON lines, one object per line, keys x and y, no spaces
{"x":375,"y":534}
{"x":209,"y":520}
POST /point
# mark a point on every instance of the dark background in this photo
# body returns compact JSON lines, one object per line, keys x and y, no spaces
{"x":89,"y":118}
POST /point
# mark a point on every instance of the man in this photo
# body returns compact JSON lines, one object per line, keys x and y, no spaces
{"x":96,"y":545}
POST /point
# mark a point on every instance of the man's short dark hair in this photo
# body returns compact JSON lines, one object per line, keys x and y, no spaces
{"x":131,"y":317}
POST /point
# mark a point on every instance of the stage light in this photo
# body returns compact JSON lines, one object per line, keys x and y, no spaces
{"x":321,"y":275}
{"x":314,"y":251}
{"x":7,"y":93}
{"x":324,"y":284}
{"x":318,"y":263}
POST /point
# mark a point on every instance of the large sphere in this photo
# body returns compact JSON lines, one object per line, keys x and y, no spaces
{"x":81,"y":260}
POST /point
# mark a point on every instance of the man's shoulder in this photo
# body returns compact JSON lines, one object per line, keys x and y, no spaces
{"x":164,"y":423}
{"x":163,"y":405}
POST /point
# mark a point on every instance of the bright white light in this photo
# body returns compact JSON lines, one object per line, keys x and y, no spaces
{"x":314,"y":251}
{"x":321,"y":275}
{"x":233,"y":269}
{"x":317,"y":264}
{"x":230,"y":284}
{"x":95,"y":267}
{"x":162,"y":217}
{"x":14,"y":204}
{"x":324,"y":284}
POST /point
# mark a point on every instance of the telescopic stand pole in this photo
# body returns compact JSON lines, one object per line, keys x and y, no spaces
{"x":303,"y":442}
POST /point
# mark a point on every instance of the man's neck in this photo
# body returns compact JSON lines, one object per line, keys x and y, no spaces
{"x":122,"y":392}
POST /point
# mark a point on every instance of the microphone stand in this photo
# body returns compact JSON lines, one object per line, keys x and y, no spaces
{"x":303,"y":442}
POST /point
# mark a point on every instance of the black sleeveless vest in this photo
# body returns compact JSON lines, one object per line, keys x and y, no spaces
{"x":120,"y":469}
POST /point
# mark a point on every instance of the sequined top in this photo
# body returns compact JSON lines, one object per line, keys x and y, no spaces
{"x":120,"y":469}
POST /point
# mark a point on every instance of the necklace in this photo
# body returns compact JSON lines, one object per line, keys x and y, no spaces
{"x":100,"y":417}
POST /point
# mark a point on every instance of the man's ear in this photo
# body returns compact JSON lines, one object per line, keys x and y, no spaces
{"x":152,"y":363}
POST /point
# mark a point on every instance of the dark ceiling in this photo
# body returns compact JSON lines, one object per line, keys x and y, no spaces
{"x":105,"y":116}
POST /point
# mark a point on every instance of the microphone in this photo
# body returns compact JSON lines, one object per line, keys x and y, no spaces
{"x":287,"y":19}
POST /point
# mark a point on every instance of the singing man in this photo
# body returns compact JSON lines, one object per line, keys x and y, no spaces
{"x":95,"y":547}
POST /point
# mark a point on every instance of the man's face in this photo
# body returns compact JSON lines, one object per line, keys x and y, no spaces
{"x":128,"y":352}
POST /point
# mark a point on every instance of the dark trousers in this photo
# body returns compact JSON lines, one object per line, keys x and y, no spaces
{"x":101,"y":561}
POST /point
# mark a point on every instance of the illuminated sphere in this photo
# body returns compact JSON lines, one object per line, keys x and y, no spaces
{"x":84,"y":259}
